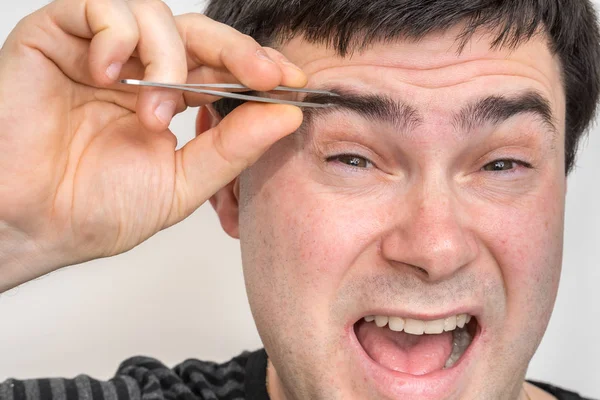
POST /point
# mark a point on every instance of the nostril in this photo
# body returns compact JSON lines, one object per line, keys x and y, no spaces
{"x":421,"y":270}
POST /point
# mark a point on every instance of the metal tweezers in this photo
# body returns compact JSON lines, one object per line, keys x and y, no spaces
{"x":204,"y":88}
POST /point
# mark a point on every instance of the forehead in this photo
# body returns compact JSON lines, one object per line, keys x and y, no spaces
{"x":433,"y":70}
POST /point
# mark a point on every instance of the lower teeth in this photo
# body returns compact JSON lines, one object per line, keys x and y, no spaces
{"x":460,"y":341}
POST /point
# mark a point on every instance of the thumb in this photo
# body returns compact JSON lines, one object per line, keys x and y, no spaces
{"x":214,"y":158}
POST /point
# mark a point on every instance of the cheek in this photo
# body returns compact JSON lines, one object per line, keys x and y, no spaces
{"x":322,"y":233}
{"x":306,"y":237}
{"x":526,"y":242}
{"x":535,"y":246}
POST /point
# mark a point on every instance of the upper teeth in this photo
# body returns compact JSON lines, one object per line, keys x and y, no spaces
{"x":418,"y":327}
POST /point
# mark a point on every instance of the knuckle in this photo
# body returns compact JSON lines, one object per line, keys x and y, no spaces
{"x":224,"y":153}
{"x":155,"y":6}
{"x":22,"y":24}
{"x":189,"y":22}
{"x":191,"y":17}
{"x":31,"y":20}
{"x":32,"y":27}
{"x":129,"y":34}
{"x":247,"y":40}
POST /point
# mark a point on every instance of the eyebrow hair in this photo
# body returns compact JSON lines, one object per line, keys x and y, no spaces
{"x":374,"y":107}
{"x":497,"y":109}
{"x":377,"y":107}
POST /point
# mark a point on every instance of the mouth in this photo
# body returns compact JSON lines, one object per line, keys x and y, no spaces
{"x":419,"y":357}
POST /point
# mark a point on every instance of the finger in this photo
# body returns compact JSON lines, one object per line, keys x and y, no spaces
{"x":293,"y":76}
{"x":126,"y":100}
{"x":162,"y":52}
{"x":211,"y":43}
{"x":71,"y":57}
{"x":205,"y":74}
{"x":215,"y":158}
{"x":109,"y":24}
{"x":199,"y":75}
{"x":202,"y":74}
{"x":133,"y":69}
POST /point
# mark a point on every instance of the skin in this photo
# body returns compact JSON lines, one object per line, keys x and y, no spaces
{"x":103,"y":173}
{"x":425,"y":230}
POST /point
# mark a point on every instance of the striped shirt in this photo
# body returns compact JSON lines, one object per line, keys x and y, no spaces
{"x":143,"y":378}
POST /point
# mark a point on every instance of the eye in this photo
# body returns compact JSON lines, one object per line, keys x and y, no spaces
{"x":352,"y":160}
{"x":504,"y":165}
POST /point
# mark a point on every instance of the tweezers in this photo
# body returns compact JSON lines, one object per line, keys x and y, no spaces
{"x":205,"y":88}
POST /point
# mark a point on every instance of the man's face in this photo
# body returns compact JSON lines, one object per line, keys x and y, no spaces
{"x":434,"y":188}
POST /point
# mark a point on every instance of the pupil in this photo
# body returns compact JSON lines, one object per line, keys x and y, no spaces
{"x":501,"y":165}
{"x":355,"y":161}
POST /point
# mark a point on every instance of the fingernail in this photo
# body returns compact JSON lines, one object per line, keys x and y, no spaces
{"x":264,"y":56}
{"x":164,"y":112}
{"x":114,"y":70}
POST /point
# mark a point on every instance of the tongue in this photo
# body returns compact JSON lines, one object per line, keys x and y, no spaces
{"x":399,"y":351}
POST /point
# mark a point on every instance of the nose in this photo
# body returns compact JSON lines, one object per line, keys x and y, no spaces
{"x":429,"y":232}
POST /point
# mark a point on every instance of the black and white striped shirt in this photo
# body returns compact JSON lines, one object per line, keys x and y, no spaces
{"x":143,"y":378}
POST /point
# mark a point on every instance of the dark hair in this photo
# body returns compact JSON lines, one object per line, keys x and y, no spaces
{"x":349,"y":25}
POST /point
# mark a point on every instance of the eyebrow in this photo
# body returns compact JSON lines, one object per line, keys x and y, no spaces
{"x":373,"y":107}
{"x":493,"y":109}
{"x":497,"y":109}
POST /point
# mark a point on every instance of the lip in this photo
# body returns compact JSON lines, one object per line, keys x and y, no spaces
{"x":434,"y":386}
{"x":422,"y":317}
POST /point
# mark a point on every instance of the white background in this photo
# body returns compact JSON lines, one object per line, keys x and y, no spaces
{"x":181,"y":294}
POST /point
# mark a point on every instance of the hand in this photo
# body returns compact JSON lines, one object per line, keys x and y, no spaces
{"x":89,"y":167}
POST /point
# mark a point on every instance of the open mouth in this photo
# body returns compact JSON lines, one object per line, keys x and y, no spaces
{"x":416,"y":347}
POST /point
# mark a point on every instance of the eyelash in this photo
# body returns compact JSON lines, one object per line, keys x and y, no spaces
{"x":351,"y":156}
{"x":513,"y":170}
{"x":370,"y":163}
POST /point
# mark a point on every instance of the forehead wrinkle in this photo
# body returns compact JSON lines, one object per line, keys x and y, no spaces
{"x":496,"y":109}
